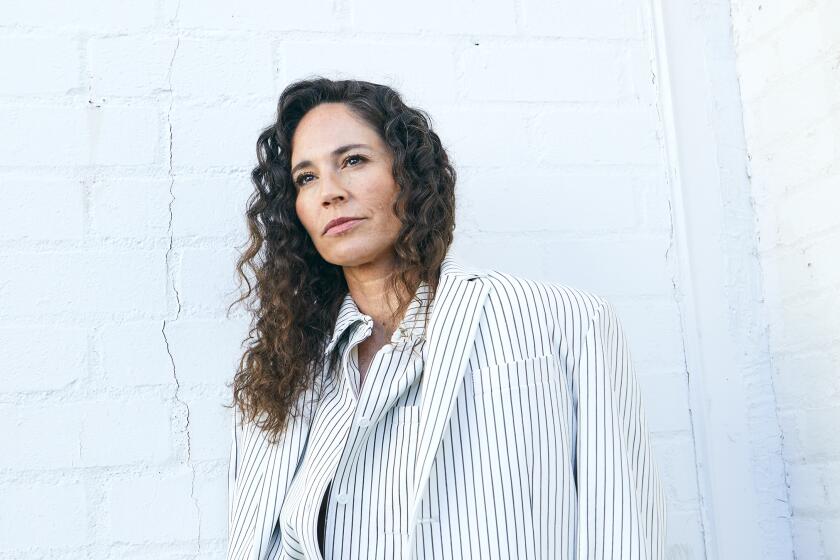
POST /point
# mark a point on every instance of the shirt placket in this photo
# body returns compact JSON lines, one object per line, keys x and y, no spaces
{"x":361,"y":427}
{"x":344,"y":490}
{"x":366,"y":410}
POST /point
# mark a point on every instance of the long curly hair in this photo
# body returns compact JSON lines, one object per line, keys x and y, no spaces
{"x":293,"y":295}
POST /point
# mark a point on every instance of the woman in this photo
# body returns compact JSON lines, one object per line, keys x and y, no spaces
{"x":393,"y":402}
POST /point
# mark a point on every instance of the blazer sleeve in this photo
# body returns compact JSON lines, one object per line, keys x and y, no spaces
{"x":233,"y":465}
{"x":621,"y":503}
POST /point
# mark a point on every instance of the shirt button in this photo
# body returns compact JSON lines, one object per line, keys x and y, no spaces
{"x":364,"y":422}
{"x":343,"y":499}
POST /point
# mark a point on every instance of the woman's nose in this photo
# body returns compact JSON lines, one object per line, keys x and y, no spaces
{"x":332,"y":188}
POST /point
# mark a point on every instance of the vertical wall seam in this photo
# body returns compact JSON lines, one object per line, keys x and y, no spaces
{"x":653,"y":25}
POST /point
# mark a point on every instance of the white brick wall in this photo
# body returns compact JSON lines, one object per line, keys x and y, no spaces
{"x":788,"y":70}
{"x":128,"y":136}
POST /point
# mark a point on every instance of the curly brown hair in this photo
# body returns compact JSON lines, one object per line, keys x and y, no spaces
{"x":294,"y":295}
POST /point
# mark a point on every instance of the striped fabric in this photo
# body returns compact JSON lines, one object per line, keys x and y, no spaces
{"x":511,"y":427}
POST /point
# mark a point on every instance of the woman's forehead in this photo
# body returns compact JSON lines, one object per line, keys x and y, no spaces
{"x":323,"y":130}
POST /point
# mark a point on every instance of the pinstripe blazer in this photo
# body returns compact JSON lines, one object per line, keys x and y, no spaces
{"x":620,"y":507}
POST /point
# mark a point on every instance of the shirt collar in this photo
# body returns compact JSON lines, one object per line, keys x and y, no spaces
{"x":410,"y":328}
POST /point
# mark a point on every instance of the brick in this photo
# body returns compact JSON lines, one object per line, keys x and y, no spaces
{"x":638,"y":70}
{"x":130,"y":208}
{"x":208,"y":284}
{"x":92,"y":282}
{"x":59,"y":204}
{"x":598,"y":19}
{"x":684,"y":535}
{"x":809,"y":266}
{"x":143,"y":509}
{"x":806,"y":322}
{"x":596,"y":136}
{"x":831,"y":476}
{"x":27,"y":367}
{"x":126,"y":431}
{"x":592,"y":72}
{"x":420,"y":72}
{"x":806,"y":535}
{"x":675,"y":464}
{"x":149,"y":57}
{"x":653,"y":331}
{"x":811,"y":34}
{"x":524,"y":254}
{"x":210,"y":206}
{"x":40,"y":437}
{"x":808,"y":489}
{"x":86,"y":14}
{"x":210,"y":424}
{"x":134,"y":354}
{"x":807,"y":210}
{"x":754,"y":19}
{"x":807,"y":379}
{"x":630,"y":266}
{"x":211,"y":494}
{"x":757,"y":69}
{"x":811,"y":434}
{"x":29,"y":124}
{"x":92,"y":135}
{"x":545,"y":200}
{"x":768,"y":117}
{"x":652,"y":196}
{"x":479,"y":137}
{"x":39,"y":65}
{"x":206,"y":352}
{"x":218,"y":136}
{"x":665,"y":401}
{"x":830,"y":530}
{"x":797,"y":157}
{"x":317,"y":15}
{"x":460,"y":18}
{"x":26,"y":509}
{"x":214,"y":66}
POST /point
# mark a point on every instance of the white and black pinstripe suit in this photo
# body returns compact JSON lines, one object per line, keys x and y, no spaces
{"x":512,"y":428}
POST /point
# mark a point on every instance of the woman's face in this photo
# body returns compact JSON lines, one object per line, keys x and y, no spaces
{"x":342,"y":169}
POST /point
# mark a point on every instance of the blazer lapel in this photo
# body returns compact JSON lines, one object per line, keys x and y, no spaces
{"x":452,"y":329}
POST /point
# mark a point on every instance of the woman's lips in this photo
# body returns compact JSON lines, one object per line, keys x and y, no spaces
{"x":342,"y":227}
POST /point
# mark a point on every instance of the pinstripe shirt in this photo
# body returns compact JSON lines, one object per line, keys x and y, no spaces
{"x":360,"y":440}
{"x":545,"y":453}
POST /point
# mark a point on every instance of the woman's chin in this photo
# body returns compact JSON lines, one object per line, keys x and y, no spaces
{"x":351,"y":252}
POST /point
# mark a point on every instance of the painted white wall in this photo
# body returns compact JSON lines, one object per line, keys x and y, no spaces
{"x":789,"y":71}
{"x":598,"y":144}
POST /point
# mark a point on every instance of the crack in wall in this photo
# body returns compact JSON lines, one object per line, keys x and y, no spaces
{"x":698,"y":466}
{"x":762,"y":304}
{"x":170,"y":275}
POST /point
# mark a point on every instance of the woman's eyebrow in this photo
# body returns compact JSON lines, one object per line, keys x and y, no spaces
{"x":336,"y":152}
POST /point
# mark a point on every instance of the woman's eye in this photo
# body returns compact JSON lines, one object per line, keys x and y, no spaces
{"x":299,"y":181}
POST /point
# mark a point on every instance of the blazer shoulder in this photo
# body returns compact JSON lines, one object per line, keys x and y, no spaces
{"x":565,"y":294}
